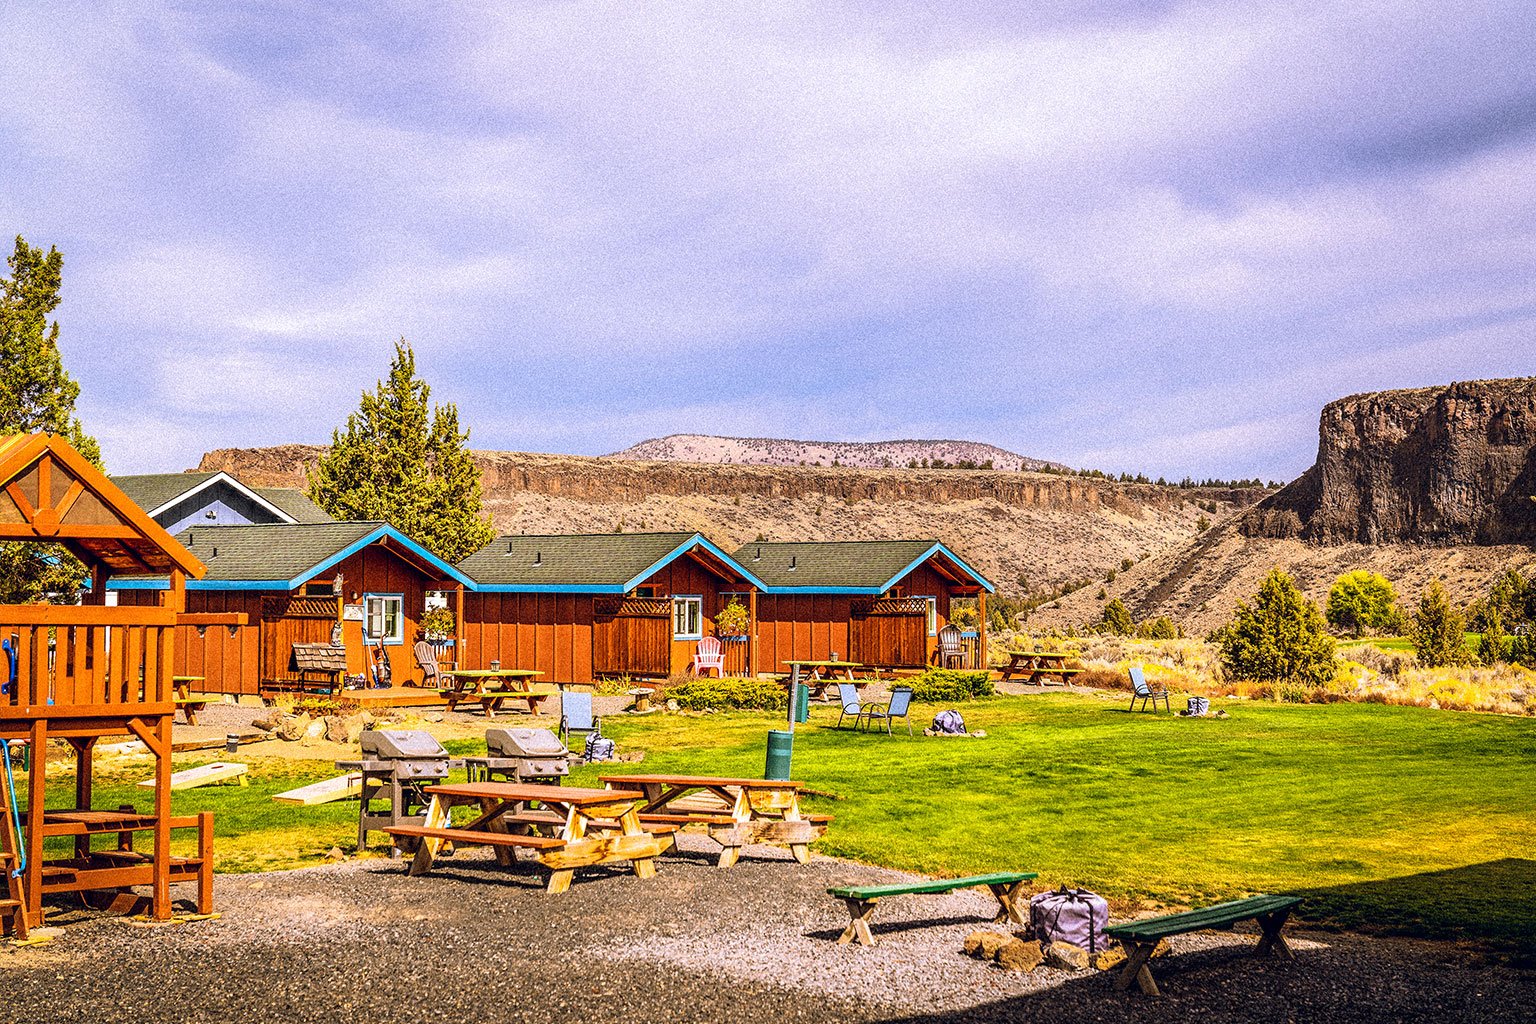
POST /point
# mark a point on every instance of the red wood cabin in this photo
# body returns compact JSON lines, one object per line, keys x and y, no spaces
{"x":82,"y":673}
{"x":881,"y":603}
{"x":283,"y":579}
{"x":583,"y":607}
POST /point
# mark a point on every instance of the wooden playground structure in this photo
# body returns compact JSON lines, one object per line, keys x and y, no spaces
{"x":81,"y":673}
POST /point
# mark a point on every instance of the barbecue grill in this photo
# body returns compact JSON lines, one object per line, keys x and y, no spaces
{"x":397,"y":764}
{"x":520,"y":755}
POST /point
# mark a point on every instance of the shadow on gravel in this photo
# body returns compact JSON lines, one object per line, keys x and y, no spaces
{"x":906,"y":926}
{"x":1491,"y":902}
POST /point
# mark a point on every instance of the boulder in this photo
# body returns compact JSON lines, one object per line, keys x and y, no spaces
{"x":1105,"y":959}
{"x":984,"y":945}
{"x":345,"y":729}
{"x":1020,"y":955}
{"x":1067,"y":957}
{"x":293,"y":727}
{"x":314,"y":731}
{"x":672,"y":705}
{"x":268,"y":722}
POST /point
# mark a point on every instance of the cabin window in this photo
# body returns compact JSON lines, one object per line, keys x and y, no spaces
{"x":384,"y":615}
{"x":647,"y":591}
{"x":325,"y":589}
{"x":687,"y":618}
{"x":932,"y":606}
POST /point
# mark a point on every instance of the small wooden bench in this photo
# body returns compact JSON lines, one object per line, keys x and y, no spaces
{"x":1141,"y":937}
{"x":862,"y":900}
{"x":490,"y":701}
{"x":475,"y":837}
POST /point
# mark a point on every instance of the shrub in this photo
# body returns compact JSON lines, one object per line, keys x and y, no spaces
{"x":733,"y":620}
{"x":1280,"y":636}
{"x":945,"y":685}
{"x":1117,"y":619}
{"x":437,"y":623}
{"x":733,"y":692}
{"x":1361,"y":600}
{"x":1438,"y":629}
{"x":1160,"y":628}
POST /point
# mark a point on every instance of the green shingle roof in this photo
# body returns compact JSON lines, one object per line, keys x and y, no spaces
{"x":280,"y":551}
{"x":869,"y":564}
{"x":570,"y":560}
{"x":296,"y":503}
{"x":151,"y":490}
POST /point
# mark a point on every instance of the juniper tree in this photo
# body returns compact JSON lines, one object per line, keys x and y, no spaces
{"x":401,"y":462}
{"x":37,"y":395}
{"x":1280,"y":636}
{"x":1362,"y":600}
{"x":1438,"y":629}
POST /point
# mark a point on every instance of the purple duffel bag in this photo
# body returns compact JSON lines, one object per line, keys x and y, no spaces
{"x":1070,"y":915}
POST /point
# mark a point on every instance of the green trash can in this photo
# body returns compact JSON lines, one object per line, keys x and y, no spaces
{"x":802,"y":704}
{"x":781,"y":745}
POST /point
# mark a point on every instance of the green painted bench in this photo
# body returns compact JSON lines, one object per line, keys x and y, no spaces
{"x":1141,"y":937}
{"x":862,"y":900}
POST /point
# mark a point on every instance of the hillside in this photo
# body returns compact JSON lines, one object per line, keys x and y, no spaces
{"x":773,"y":451}
{"x":1022,"y":530}
{"x":1412,"y":484}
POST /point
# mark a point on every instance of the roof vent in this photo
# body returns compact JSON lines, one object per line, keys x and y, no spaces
{"x":538,"y":558}
{"x":791,"y":563}
{"x":509,"y":547}
{"x":757,"y":554}
{"x":215,"y":551}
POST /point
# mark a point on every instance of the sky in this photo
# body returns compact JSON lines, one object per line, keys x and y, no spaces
{"x":1151,"y":237}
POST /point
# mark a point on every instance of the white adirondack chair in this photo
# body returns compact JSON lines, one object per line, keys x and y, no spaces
{"x":710,"y":654}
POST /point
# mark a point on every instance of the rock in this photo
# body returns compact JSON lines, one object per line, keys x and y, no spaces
{"x":315,"y":730}
{"x":1108,"y":958}
{"x":432,"y":716}
{"x":334,"y":853}
{"x":972,"y":945}
{"x":345,"y":729}
{"x":987,"y":943}
{"x":1020,"y":955}
{"x":1438,"y":465}
{"x":293,"y":727}
{"x":632,"y":756}
{"x":335,"y":729}
{"x":268,"y":722}
{"x":673,"y":705}
{"x":1067,"y":957}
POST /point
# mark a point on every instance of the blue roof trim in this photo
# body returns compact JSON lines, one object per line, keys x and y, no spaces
{"x":697,"y":540}
{"x":545,"y":588}
{"x":382,"y":533}
{"x":870,"y":591}
{"x":936,"y":549}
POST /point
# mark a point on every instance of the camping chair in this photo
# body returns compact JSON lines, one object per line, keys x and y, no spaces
{"x":710,"y":654}
{"x":848,"y":695}
{"x":426,"y":660}
{"x":897,"y":707}
{"x":576,"y":715}
{"x":1140,"y":691}
{"x":951,"y":649}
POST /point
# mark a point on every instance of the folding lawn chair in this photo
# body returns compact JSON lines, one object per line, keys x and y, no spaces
{"x":576,"y":716}
{"x":1140,"y":691}
{"x":848,"y":695}
{"x":897,"y":707}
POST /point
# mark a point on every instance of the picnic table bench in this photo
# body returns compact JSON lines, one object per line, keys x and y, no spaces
{"x":820,"y":675}
{"x":861,"y":900}
{"x":493,"y":687}
{"x":578,"y":828}
{"x":1040,"y":664}
{"x":733,"y":812}
{"x":1141,"y":937}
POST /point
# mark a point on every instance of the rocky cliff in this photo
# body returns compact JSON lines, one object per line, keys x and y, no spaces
{"x":1025,"y":530}
{"x":1444,"y":465}
{"x":775,"y":451}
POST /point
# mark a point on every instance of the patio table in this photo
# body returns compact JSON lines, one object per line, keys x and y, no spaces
{"x":573,"y":827}
{"x":732,"y":812}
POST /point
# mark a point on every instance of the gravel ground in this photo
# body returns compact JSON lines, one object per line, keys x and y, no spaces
{"x":362,"y":941}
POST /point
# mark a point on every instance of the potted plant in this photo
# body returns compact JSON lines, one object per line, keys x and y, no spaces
{"x":733,"y":622}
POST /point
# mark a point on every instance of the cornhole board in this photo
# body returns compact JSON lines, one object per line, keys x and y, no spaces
{"x":340,"y":788}
{"x":204,"y":775}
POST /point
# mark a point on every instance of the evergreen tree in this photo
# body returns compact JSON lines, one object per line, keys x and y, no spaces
{"x":1439,"y":631}
{"x":1493,"y":645}
{"x":1117,"y":619}
{"x":397,"y":462}
{"x":37,"y":395}
{"x":1280,"y":636}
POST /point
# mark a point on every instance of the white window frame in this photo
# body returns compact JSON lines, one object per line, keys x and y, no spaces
{"x":933,"y":612}
{"x":681,"y":601}
{"x":384,"y":600}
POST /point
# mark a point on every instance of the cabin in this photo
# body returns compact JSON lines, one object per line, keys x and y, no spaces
{"x":881,"y":603}
{"x":295,"y":583}
{"x":81,"y":674}
{"x":579,"y":608}
{"x":180,"y":501}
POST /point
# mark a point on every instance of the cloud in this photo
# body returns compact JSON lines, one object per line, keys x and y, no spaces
{"x":1156,"y":236}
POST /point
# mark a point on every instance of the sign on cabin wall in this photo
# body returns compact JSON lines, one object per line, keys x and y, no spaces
{"x":352,"y":613}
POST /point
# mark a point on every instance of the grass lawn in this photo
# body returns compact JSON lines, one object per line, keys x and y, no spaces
{"x":1393,"y":817}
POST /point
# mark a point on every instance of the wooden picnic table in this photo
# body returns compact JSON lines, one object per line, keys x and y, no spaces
{"x":572,"y":828}
{"x":476,"y":684}
{"x":1039,"y":665}
{"x":188,"y":705}
{"x":733,"y":812}
{"x":819,"y":675}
